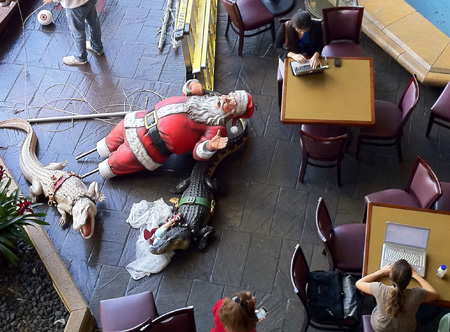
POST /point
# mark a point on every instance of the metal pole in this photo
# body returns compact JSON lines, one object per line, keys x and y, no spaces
{"x":85,"y":153}
{"x":89,"y":173}
{"x":77,"y":117}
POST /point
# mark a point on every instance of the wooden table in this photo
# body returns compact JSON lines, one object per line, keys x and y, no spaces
{"x":438,"y":243}
{"x":337,"y":96}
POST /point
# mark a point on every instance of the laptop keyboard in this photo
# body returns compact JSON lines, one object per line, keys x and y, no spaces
{"x":299,"y":69}
{"x":410,"y":257}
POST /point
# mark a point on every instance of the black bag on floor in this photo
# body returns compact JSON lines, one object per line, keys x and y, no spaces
{"x":332,"y":296}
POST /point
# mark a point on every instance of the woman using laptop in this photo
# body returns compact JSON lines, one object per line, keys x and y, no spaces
{"x":299,"y":38}
{"x":396,"y":305}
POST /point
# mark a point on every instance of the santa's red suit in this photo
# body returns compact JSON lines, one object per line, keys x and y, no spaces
{"x":130,"y":148}
{"x":145,"y":140}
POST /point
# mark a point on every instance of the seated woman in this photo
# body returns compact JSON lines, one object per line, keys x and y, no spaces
{"x":299,"y":38}
{"x":396,"y":305}
{"x":235,"y":314}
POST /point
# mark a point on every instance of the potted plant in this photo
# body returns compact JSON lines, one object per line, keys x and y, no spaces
{"x":16,"y":211}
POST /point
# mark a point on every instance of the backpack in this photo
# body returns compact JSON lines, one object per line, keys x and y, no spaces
{"x":332,"y":296}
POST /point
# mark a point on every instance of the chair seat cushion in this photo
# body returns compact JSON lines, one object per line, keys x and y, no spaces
{"x":388,"y":118}
{"x":367,"y":327}
{"x":443,"y":203}
{"x":343,"y":49}
{"x":441,"y":107}
{"x":254,"y":14}
{"x":346,"y":241}
{"x":325,"y":131}
{"x":392,"y":196}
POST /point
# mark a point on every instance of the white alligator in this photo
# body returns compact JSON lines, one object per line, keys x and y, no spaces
{"x":65,"y":190}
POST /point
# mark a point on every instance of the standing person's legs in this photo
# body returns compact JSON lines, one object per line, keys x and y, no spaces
{"x":94,"y":27}
{"x":75,"y":19}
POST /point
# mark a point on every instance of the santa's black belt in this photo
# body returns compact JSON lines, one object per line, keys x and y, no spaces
{"x":150,"y":122}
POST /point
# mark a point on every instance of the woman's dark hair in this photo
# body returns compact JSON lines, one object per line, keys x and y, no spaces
{"x":400,"y":276}
{"x":301,"y":20}
{"x":237,"y":313}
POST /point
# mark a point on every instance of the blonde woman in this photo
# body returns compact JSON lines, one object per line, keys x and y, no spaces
{"x":396,"y":305}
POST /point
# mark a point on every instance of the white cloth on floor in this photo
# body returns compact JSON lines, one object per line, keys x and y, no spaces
{"x":148,"y":215}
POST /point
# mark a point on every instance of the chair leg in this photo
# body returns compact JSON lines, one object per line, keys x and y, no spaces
{"x":399,"y":149}
{"x":241,"y":41}
{"x":228,"y":26}
{"x":358,"y":146}
{"x":338,"y":168}
{"x":430,"y":124}
{"x":272,"y":31}
{"x":303,"y":169}
{"x":280,"y":92}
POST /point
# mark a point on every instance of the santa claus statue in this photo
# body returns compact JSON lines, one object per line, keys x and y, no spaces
{"x":190,"y":123}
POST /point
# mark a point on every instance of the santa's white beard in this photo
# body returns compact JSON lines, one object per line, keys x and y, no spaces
{"x":206,"y":109}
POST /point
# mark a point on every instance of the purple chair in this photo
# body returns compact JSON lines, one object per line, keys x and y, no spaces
{"x":422,"y":190}
{"x":341,"y":31}
{"x":325,"y":144}
{"x":179,"y":320}
{"x":367,"y":327}
{"x":299,"y":278}
{"x":344,"y":244}
{"x":127,"y":313}
{"x":440,"y":110}
{"x":248,"y":15}
{"x":443,"y":203}
{"x":390,"y":120}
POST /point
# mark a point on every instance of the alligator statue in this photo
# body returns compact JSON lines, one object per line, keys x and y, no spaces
{"x":65,"y":190}
{"x":196,"y":205}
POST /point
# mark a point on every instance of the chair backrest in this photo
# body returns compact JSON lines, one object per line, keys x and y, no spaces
{"x":324,"y":228}
{"x":423,"y":184}
{"x":409,"y":99}
{"x":299,"y":274}
{"x":233,"y":12}
{"x":323,"y":148}
{"x":180,"y":320}
{"x":139,"y":309}
{"x":342,"y":24}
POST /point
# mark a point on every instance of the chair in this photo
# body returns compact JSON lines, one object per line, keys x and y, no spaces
{"x":127,"y":312}
{"x":179,"y":320}
{"x":443,"y":203}
{"x":440,"y":110}
{"x":422,"y":190}
{"x":367,"y":327}
{"x":299,"y":278}
{"x":390,"y":120}
{"x":344,"y":244}
{"x":341,"y":31}
{"x":248,"y":15}
{"x":322,"y":143}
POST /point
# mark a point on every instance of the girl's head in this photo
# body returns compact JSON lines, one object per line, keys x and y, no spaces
{"x":237,"y":313}
{"x":400,"y":277}
{"x":301,"y":21}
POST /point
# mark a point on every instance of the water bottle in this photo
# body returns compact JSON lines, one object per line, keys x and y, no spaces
{"x":442,"y":270}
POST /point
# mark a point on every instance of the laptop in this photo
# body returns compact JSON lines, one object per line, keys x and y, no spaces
{"x":299,"y":69}
{"x":407,"y":242}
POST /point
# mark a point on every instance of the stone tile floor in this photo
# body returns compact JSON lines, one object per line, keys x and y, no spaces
{"x":265,"y":211}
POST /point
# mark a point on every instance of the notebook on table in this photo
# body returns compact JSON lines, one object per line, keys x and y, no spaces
{"x":407,"y":242}
{"x":305,"y":68}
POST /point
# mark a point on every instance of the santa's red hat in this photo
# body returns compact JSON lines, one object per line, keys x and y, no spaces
{"x":244,"y":109}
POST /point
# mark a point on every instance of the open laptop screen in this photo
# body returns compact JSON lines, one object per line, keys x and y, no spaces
{"x":406,"y":235}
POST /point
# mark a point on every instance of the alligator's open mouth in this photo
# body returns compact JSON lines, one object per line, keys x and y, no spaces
{"x":87,"y":230}
{"x":163,"y":246}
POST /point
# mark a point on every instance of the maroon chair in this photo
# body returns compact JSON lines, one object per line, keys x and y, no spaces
{"x":179,"y":320}
{"x":443,"y":203}
{"x":422,"y":190}
{"x":367,"y":327}
{"x":341,"y":31}
{"x":325,"y":144}
{"x":440,"y":110}
{"x":299,"y":278}
{"x":248,"y":15}
{"x":344,"y":244}
{"x":390,"y":120}
{"x":127,"y":313}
